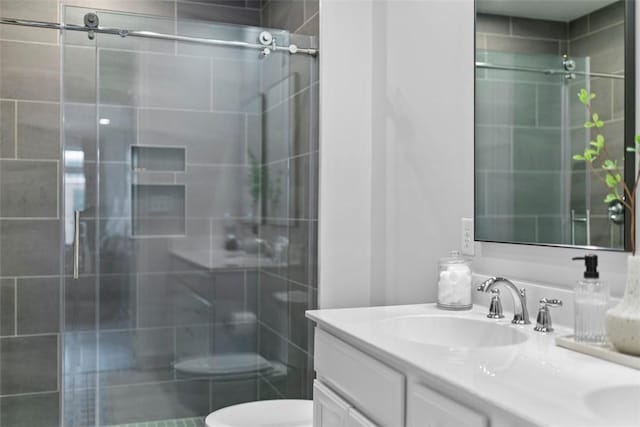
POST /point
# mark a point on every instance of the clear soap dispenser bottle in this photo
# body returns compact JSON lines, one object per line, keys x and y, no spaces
{"x":591,"y":303}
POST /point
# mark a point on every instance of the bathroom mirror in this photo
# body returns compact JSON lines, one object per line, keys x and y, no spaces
{"x":532,"y":60}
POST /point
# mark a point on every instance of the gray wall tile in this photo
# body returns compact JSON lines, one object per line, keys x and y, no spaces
{"x":26,"y":247}
{"x":300,"y":186}
{"x":536,"y":150}
{"x":531,"y":46}
{"x":505,"y":103}
{"x":193,"y":341}
{"x":42,"y":410}
{"x":38,"y":305}
{"x":538,"y":28}
{"x":302,"y":252}
{"x":79,"y":74}
{"x":38,"y":130}
{"x":601,"y":44}
{"x":493,"y":147}
{"x":215,"y":191}
{"x":170,"y":299}
{"x":300,"y":300}
{"x":287,"y":14}
{"x":273,"y":309}
{"x":603,"y":102}
{"x":311,"y":27}
{"x":38,"y":10}
{"x":579,"y":27}
{"x":228,"y":294}
{"x":28,"y":189}
{"x":618,"y":99}
{"x":549,"y":104}
{"x":7,"y":306}
{"x":29,"y":364}
{"x":80,"y":130}
{"x":608,"y":15}
{"x":149,"y":80}
{"x":224,"y":394}
{"x":209,"y":138}
{"x":136,"y":356}
{"x":117,"y":295}
{"x":7,"y":129}
{"x":493,"y":24}
{"x":311,"y":7}
{"x":297,"y":383}
{"x":147,"y":7}
{"x":29,"y":71}
{"x":235,"y":85}
{"x":120,"y":134}
{"x":217,"y":13}
{"x":80,"y":304}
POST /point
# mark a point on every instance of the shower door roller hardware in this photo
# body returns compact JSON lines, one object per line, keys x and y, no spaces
{"x":92,"y":22}
{"x":265,"y":38}
{"x":76,"y":244}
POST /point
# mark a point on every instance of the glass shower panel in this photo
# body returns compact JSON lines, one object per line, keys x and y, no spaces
{"x":183,"y":179}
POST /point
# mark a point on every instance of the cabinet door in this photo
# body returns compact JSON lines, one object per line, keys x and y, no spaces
{"x":427,"y":408}
{"x":328,"y":409}
{"x":356,"y":419}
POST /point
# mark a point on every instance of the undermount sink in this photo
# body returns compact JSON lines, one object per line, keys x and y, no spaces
{"x":451,"y":331}
{"x":617,"y":405}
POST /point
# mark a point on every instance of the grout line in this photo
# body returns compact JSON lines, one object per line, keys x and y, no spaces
{"x":43,"y":334}
{"x":30,"y":101}
{"x":29,"y":42}
{"x":30,"y":394}
{"x":208,"y":4}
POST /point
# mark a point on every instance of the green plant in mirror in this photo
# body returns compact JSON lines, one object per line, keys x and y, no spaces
{"x":603,"y":165}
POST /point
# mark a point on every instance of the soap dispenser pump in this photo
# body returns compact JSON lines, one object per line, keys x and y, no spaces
{"x":591,"y":303}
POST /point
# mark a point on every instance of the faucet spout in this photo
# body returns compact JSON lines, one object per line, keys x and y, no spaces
{"x":519,"y":296}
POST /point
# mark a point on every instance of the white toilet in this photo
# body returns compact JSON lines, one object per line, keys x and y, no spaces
{"x":272,"y":413}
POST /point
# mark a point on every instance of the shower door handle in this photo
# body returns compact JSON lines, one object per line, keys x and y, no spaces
{"x":76,"y":244}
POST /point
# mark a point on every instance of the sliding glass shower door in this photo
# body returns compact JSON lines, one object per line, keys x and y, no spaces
{"x":179,"y":189}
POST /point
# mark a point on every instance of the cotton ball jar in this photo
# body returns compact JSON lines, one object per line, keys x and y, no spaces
{"x":454,"y":283}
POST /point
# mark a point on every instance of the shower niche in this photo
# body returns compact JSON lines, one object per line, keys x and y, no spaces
{"x":158,"y":205}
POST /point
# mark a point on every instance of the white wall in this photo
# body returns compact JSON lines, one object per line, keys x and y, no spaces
{"x":392,"y":194}
{"x":344,"y":229}
{"x":396,"y":171}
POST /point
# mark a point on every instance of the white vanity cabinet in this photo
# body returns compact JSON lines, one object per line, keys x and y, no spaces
{"x":329,"y":410}
{"x":354,"y":389}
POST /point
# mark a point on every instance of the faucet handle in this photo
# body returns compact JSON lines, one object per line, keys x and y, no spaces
{"x":543,"y":322}
{"x":495,"y":306}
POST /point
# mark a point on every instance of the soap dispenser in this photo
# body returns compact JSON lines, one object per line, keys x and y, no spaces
{"x":591,"y":303}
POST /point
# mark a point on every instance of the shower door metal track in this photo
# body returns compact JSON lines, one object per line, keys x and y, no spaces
{"x":547,"y":71}
{"x":264,"y":47}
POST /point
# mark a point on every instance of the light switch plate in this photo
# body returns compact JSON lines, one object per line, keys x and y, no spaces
{"x":467,"y":245}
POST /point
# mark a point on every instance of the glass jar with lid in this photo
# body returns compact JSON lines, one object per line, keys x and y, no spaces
{"x":454,"y":282}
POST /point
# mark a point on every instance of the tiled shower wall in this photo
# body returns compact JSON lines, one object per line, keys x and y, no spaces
{"x":536,"y":105}
{"x":600,"y":36}
{"x":30,"y":229}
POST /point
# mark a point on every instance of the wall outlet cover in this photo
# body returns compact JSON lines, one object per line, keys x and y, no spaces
{"x":467,"y":245}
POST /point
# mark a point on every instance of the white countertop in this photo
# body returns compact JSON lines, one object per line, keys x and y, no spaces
{"x":536,"y":380}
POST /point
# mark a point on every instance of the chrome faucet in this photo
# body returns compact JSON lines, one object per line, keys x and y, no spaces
{"x":520,"y":313}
